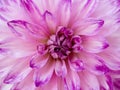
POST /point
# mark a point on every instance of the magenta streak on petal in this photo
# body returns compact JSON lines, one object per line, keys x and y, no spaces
{"x":39,"y":83}
{"x":100,"y":24}
{"x":90,"y":4}
{"x":102,"y":88}
{"x":87,"y":3}
{"x":2,"y":50}
{"x":109,"y":82}
{"x":60,"y":68}
{"x":116,"y":83}
{"x":73,"y":86}
{"x":71,"y":83}
{"x":38,"y":62}
{"x":23,"y":27}
{"x":3,"y":9}
{"x":77,"y":65}
{"x":27,"y":4}
{"x":89,"y":27}
{"x":9,"y":79}
{"x":14,"y":23}
{"x":50,"y":21}
{"x":2,"y":18}
{"x":32,"y":64}
{"x":66,"y":87}
{"x":102,"y":68}
{"x":30,"y":5}
{"x":46,"y":13}
{"x":106,"y":45}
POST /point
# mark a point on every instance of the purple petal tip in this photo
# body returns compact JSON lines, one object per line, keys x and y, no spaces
{"x":102,"y":68}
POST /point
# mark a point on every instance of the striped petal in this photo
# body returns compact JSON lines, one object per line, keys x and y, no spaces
{"x":32,"y":10}
{"x":22,"y":29}
{"x":8,"y":10}
{"x":63,"y":13}
{"x":76,"y":63}
{"x":105,"y":83}
{"x":15,"y":76}
{"x":52,"y":84}
{"x":72,"y":81}
{"x":44,"y":75}
{"x":87,"y":81}
{"x":38,"y":61}
{"x":94,"y":44}
{"x":50,"y":21}
{"x":111,"y":59}
{"x":82,"y":9}
{"x":25,"y":84}
{"x":94,"y":64}
{"x":60,"y":68}
{"x":88,"y":27}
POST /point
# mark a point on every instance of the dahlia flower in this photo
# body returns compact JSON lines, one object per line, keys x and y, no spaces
{"x":59,"y":45}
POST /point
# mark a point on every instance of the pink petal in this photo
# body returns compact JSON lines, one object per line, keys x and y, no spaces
{"x":17,"y":74}
{"x":88,"y":27}
{"x":105,"y":83}
{"x":60,"y":68}
{"x":32,"y":10}
{"x":47,"y":5}
{"x":72,"y":81}
{"x":60,"y":84}
{"x":63,"y":13}
{"x":23,"y":28}
{"x":38,"y":61}
{"x":76,"y":63}
{"x":94,"y":44}
{"x":52,"y":84}
{"x":87,"y":80}
{"x":16,"y":49}
{"x":89,"y":8}
{"x":26,"y":84}
{"x":94,"y":64}
{"x":8,"y":10}
{"x":81,"y":9}
{"x":50,"y":21}
{"x":111,"y":59}
{"x":42,"y":76}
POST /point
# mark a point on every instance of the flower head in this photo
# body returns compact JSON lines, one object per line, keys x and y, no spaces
{"x":59,"y":44}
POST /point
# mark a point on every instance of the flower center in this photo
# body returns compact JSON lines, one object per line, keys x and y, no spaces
{"x":63,"y":43}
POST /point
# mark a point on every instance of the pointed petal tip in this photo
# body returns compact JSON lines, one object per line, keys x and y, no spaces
{"x":47,"y":13}
{"x":41,"y":82}
{"x":32,"y":65}
{"x":9,"y":79}
{"x":101,"y":23}
{"x":106,"y":45}
{"x":77,"y":65}
{"x":37,"y":84}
